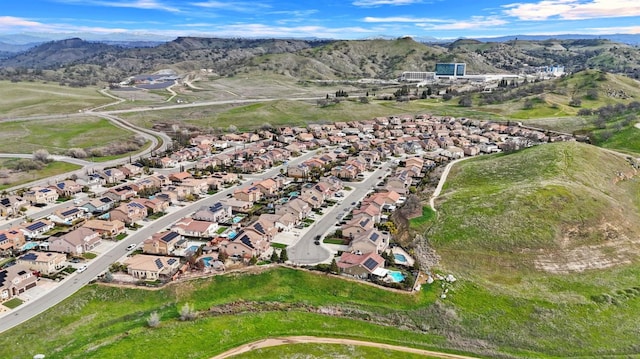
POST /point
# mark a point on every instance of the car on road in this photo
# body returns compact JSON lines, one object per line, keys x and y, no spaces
{"x":317,"y":243}
{"x":353,"y":203}
{"x":131,"y":247}
{"x":81,"y":269}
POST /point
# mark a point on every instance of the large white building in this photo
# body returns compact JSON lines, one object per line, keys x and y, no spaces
{"x":417,"y":76}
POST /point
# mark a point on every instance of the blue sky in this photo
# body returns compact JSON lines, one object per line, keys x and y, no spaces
{"x":340,"y":19}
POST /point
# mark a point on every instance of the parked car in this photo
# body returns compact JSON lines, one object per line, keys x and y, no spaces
{"x":131,"y":247}
{"x":81,"y":269}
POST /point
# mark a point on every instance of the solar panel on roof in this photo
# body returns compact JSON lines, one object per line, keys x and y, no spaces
{"x":374,"y":236}
{"x":29,"y":257}
{"x":105,"y":200}
{"x":159,"y":263}
{"x":5,"y":201}
{"x":36,"y":226}
{"x":171,"y":261}
{"x":370,"y":263}
{"x":70,"y":212}
{"x":246,"y":240}
{"x":169,"y":236}
{"x":3,"y":237}
{"x":44,"y":190}
{"x":259,"y":227}
{"x":136,"y":204}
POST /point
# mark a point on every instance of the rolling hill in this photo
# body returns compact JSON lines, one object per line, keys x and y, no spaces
{"x":556,"y":208}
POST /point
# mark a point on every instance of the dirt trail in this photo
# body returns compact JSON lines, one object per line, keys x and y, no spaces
{"x":272,"y":342}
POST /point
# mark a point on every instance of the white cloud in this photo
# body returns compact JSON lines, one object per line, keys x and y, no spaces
{"x":397,"y":19}
{"x":133,"y":4}
{"x":373,"y":3}
{"x":573,"y":9}
{"x":476,"y":22}
{"x":615,"y":30}
{"x":239,"y":6}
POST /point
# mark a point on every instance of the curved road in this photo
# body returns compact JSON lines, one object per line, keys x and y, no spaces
{"x":272,"y":342}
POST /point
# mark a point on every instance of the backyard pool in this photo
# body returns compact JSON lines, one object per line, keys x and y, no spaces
{"x":232,"y":235}
{"x":29,"y":245}
{"x":236,"y":219}
{"x":207,"y":261}
{"x":400,"y":258}
{"x":396,"y":276}
{"x":193,"y":248}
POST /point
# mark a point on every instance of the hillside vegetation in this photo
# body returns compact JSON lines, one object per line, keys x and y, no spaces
{"x":557,"y":208}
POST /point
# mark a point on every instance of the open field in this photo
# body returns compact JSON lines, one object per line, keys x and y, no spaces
{"x":59,"y":135}
{"x":36,"y":98}
{"x":18,"y":178}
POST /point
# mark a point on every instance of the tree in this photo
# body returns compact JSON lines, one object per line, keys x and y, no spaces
{"x":465,"y":101}
{"x":575,"y":102}
{"x":154,"y":320}
{"x":333,"y":268}
{"x":187,"y":312}
{"x":223,"y":256}
{"x":253,"y":260}
{"x":274,"y":257}
{"x":41,"y":155}
{"x":283,"y":255}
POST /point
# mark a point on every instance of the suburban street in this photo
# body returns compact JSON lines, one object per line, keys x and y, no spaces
{"x":101,"y":263}
{"x":305,"y":252}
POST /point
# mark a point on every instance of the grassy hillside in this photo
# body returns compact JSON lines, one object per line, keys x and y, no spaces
{"x":555,"y":208}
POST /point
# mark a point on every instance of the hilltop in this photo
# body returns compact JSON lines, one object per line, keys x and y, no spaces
{"x":309,"y":59}
{"x":557,"y":208}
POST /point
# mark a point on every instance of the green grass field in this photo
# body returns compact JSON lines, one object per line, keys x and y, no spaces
{"x":36,"y":98}
{"x":59,"y":135}
{"x":51,"y":169}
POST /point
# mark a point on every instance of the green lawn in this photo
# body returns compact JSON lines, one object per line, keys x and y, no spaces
{"x":13,"y":303}
{"x":57,"y":136}
{"x":422,"y":223}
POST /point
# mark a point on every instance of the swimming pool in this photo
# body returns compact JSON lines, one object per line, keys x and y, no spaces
{"x":396,"y":276}
{"x":193,"y":248}
{"x":232,"y":235}
{"x":207,"y":261}
{"x":29,"y":245}
{"x":236,"y":219}
{"x":400,"y":258}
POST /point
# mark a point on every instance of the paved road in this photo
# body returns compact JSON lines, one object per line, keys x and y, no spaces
{"x":100,"y":264}
{"x":272,"y":342}
{"x":305,"y":252}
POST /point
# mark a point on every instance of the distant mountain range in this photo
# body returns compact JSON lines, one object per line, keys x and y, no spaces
{"x":79,"y":62}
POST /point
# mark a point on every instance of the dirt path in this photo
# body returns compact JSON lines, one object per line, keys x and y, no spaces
{"x":443,"y":179}
{"x":272,"y":342}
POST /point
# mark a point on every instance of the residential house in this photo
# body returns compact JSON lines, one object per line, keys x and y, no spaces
{"x":283,"y":223}
{"x":43,"y":262}
{"x":196,"y":186}
{"x":345,"y":172}
{"x":149,"y":267}
{"x":155,"y":205}
{"x":164,"y":243}
{"x":248,"y":194}
{"x":298,"y":171}
{"x":168,"y":162}
{"x":112,"y":175}
{"x":11,"y":206}
{"x":269,"y":187}
{"x":360,"y":265}
{"x":99,"y":205}
{"x":11,"y":241}
{"x":217,"y":213}
{"x":245,"y":244}
{"x":193,"y":228}
{"x":36,"y":229}
{"x":121,"y":193}
{"x":68,"y":216}
{"x":179,"y":177}
{"x":67,"y":188}
{"x":372,"y":240}
{"x":298,"y":208}
{"x":40,"y":196}
{"x":15,"y":280}
{"x":107,"y":229}
{"x":76,"y":242}
{"x":130,"y":170}
{"x":128,"y":213}
{"x":237,"y":205}
{"x":356,"y":226}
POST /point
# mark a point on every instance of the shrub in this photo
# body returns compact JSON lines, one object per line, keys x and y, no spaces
{"x":154,"y":320}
